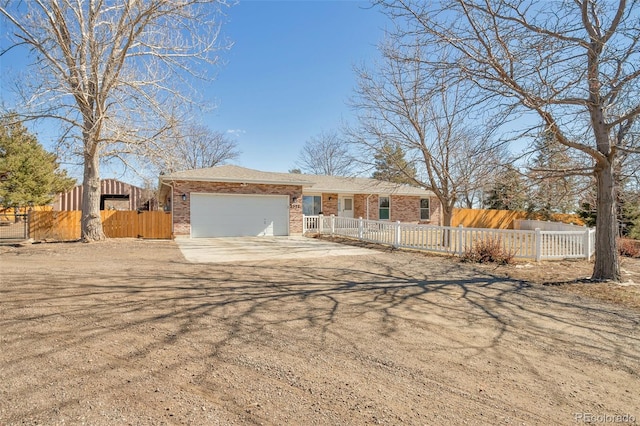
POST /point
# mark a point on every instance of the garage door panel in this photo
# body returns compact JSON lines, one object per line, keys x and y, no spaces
{"x":227,"y":215}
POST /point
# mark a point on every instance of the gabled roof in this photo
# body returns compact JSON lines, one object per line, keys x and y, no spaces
{"x":358,"y":185}
{"x":310,"y":183}
{"x":230,"y":173}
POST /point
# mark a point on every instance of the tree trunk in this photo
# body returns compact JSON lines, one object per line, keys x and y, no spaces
{"x":607,"y":265}
{"x":91,"y":222}
{"x":447,"y":216}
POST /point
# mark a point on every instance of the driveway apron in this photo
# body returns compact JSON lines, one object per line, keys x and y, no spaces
{"x":256,"y":249}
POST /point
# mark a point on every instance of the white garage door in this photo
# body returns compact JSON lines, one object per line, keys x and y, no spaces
{"x":230,"y":215}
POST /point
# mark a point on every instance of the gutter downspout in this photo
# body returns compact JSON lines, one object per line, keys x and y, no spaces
{"x":173,"y":233}
{"x":367,"y":202}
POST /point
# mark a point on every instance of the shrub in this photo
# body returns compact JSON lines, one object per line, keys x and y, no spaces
{"x":628,"y":247}
{"x":486,"y":251}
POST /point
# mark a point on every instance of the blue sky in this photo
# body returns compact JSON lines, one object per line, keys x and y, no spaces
{"x":289,"y":74}
{"x":286,"y":79}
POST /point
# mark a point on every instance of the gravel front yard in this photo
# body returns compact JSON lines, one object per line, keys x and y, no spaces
{"x":128,"y":332}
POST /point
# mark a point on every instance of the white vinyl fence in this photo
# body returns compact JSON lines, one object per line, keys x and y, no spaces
{"x":544,"y":225}
{"x":523,"y":244}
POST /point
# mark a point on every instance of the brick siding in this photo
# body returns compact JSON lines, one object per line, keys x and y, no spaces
{"x":182,"y":209}
{"x":407,"y":209}
{"x":329,"y":204}
{"x":403,"y":208}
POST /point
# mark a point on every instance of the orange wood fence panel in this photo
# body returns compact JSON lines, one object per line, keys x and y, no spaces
{"x":134,"y":224}
{"x":502,"y":219}
{"x":65,"y":225}
{"x":59,"y":226}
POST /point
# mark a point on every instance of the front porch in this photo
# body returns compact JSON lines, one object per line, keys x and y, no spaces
{"x":523,"y":244}
{"x":394,"y":207}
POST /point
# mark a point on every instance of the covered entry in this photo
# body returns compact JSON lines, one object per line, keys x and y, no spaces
{"x":233,"y":215}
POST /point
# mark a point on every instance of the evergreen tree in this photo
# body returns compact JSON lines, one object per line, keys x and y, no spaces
{"x":552,"y":188}
{"x":587,"y":212}
{"x":508,"y":191}
{"x":392,"y":166}
{"x":29,"y":175}
{"x":628,"y":210}
{"x":629,"y":215}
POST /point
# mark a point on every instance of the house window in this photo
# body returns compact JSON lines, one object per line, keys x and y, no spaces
{"x":424,"y":209}
{"x":311,"y":205}
{"x":383,"y":208}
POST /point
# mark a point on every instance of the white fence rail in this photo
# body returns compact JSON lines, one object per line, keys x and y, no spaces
{"x":523,"y":244}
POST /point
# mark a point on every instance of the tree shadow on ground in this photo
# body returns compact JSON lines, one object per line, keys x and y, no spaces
{"x":139,"y":321}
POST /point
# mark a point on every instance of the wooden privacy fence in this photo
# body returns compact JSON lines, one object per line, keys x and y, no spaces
{"x":536,"y":245}
{"x":502,"y":219}
{"x":65,"y":225}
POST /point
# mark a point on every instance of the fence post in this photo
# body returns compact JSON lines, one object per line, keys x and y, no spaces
{"x":304,"y":224}
{"x":29,"y":226}
{"x":360,"y":228}
{"x":397,"y":236}
{"x":538,"y":245}
{"x":586,"y":243}
{"x":460,"y":239}
{"x":320,"y":223}
{"x":333,"y":224}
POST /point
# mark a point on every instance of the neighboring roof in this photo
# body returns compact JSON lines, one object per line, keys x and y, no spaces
{"x":310,"y":183}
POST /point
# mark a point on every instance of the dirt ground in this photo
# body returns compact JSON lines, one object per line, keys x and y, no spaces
{"x":127,"y":332}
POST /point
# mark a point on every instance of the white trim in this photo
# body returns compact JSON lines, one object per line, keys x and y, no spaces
{"x":311,"y":194}
{"x":420,"y":208}
{"x":341,"y":210}
{"x":240,"y":195}
{"x":389,"y":208}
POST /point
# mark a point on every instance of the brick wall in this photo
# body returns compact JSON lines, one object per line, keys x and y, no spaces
{"x":403,"y":208}
{"x":436,"y":211}
{"x":361,"y":201}
{"x":182,"y":209}
{"x":407,"y":209}
{"x":360,"y":206}
{"x":329,"y":204}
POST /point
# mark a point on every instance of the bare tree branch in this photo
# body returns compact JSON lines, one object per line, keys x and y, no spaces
{"x":115,"y":75}
{"x":573,"y":63}
{"x":326,"y":154}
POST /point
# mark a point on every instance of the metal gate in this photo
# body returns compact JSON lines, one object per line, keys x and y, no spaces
{"x":14,"y":226}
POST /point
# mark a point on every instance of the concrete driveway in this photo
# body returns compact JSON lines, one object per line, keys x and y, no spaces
{"x":253,"y":249}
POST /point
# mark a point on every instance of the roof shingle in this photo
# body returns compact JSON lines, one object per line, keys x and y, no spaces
{"x":310,"y":183}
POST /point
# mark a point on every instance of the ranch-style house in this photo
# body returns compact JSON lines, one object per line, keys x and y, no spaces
{"x":229,"y":200}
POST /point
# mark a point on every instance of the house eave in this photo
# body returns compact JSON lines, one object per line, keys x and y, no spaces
{"x":313,"y":190}
{"x":167,"y":179}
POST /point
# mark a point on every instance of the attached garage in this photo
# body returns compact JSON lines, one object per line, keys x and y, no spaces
{"x":228,"y":200}
{"x":238,"y":215}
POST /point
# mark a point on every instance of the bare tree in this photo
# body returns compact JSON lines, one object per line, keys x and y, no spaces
{"x":552,"y":187}
{"x":405,"y":104}
{"x":477,"y":164}
{"x":194,"y":146}
{"x":572,"y":63}
{"x":115,"y":75}
{"x":326,"y":154}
